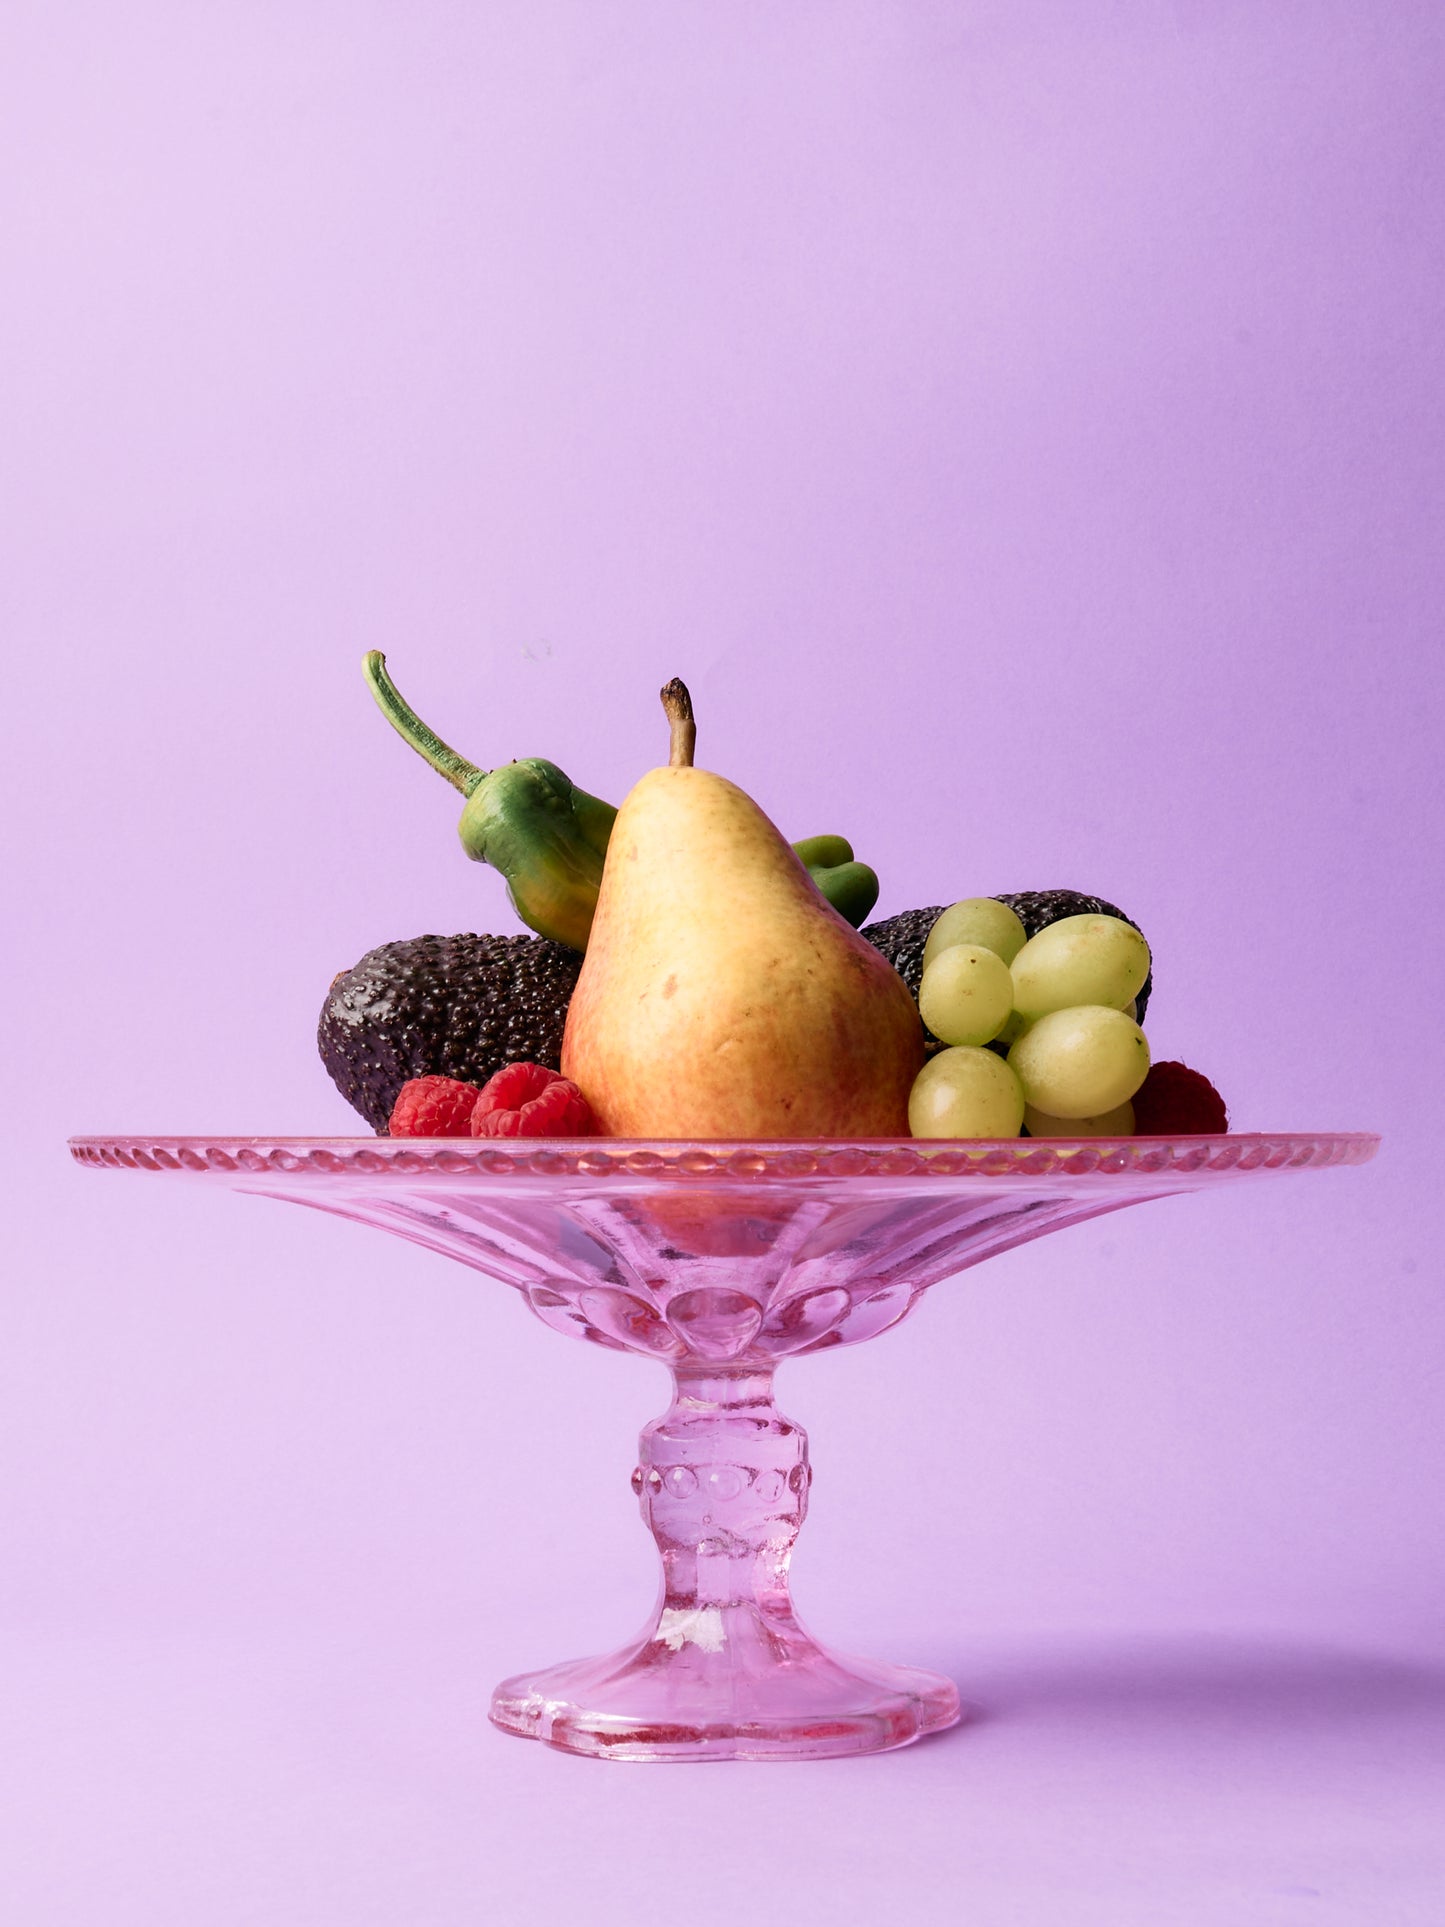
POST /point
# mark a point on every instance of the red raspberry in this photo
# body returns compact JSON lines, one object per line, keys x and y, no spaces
{"x":524,"y":1100}
{"x":433,"y":1107}
{"x":1174,"y":1101}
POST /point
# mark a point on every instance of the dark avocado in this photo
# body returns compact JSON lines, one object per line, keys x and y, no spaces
{"x":460,"y":1006}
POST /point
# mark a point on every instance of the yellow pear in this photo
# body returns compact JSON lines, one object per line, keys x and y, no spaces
{"x":721,"y":995}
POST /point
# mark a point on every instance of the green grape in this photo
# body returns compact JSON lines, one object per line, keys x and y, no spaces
{"x":966,"y":994}
{"x":966,"y":1092}
{"x":1116,"y":1123}
{"x":981,"y":920}
{"x":1080,"y":960}
{"x":1080,"y":1062}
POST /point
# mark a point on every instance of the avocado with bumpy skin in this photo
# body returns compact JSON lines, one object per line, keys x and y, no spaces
{"x":461,"y":1007}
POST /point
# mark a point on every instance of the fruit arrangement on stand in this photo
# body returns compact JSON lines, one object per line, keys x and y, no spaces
{"x":694,"y":975}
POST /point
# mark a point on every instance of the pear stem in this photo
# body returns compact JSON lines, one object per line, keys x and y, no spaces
{"x":461,"y":774}
{"x":678,"y":704}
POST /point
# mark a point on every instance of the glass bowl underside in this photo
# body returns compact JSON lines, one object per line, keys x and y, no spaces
{"x":722,"y":1253}
{"x":720,"y":1260}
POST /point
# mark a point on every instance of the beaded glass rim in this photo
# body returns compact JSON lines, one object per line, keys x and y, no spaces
{"x":683,"y":1161}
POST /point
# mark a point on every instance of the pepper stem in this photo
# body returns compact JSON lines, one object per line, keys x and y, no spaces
{"x":678,"y":704}
{"x":461,"y":774}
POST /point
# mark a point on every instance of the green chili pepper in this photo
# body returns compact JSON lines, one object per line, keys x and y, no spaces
{"x":549,"y":839}
{"x":851,"y":887}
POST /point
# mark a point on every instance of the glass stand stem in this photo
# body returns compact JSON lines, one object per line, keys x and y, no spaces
{"x":724,"y":1670}
{"x":723,"y":1481}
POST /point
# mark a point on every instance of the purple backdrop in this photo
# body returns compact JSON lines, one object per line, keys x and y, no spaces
{"x":1020,"y":425}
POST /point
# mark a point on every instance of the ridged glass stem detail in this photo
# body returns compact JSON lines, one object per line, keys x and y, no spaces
{"x":723,"y":1482}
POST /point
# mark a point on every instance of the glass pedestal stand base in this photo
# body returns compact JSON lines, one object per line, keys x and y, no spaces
{"x":726,"y":1671}
{"x":791,"y":1701}
{"x":721,"y":1260}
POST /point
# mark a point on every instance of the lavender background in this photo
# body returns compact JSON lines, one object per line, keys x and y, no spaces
{"x":1021,"y":427}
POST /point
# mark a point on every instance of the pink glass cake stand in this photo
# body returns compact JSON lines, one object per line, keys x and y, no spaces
{"x":722,"y":1260}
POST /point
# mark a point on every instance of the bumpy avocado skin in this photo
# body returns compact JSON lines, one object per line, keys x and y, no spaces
{"x":461,"y":1006}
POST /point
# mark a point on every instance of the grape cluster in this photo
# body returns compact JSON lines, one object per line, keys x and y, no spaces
{"x":1041,"y":1031}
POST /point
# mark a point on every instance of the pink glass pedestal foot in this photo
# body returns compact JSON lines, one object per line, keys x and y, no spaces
{"x":778,"y":1696}
{"x":725,"y":1671}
